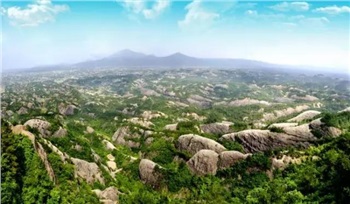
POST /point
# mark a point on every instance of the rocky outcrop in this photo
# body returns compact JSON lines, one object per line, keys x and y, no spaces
{"x":192,"y":143}
{"x":124,"y":136}
{"x":149,"y":173}
{"x":345,"y":110}
{"x":171,"y":127}
{"x":194,"y":116}
{"x":141,"y":122}
{"x":307,"y":115}
{"x":89,"y":130}
{"x":300,"y":136}
{"x":216,"y":128}
{"x":149,"y":115}
{"x":199,"y":101}
{"x":41,"y":125}
{"x":108,"y":196}
{"x":22,"y":111}
{"x":320,"y":129}
{"x":207,"y":161}
{"x":284,"y":162}
{"x":247,"y":101}
{"x":61,"y":132}
{"x":108,"y":145}
{"x":283,"y":125}
{"x":204,"y":162}
{"x":63,"y":156}
{"x":305,"y":98}
{"x":66,"y":110}
{"x":21,"y":129}
{"x":229,"y":158}
{"x":264,"y":140}
{"x":177,"y":104}
{"x":89,"y":171}
{"x":284,"y":112}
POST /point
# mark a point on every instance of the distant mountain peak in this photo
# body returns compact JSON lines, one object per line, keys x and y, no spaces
{"x":178,"y":54}
{"x":127,"y":53}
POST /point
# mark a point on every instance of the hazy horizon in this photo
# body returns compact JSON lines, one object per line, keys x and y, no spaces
{"x":44,"y":32}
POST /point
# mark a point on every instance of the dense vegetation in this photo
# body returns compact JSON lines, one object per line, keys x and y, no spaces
{"x":108,"y":100}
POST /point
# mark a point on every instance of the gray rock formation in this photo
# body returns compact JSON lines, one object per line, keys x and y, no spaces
{"x":171,"y":127}
{"x":204,"y":162}
{"x":149,"y":173}
{"x":305,"y":116}
{"x":88,"y":171}
{"x":247,"y":101}
{"x":22,"y":111}
{"x":320,"y":129}
{"x":124,"y":136}
{"x":285,"y":161}
{"x":61,"y":132}
{"x":41,"y":125}
{"x":110,"y":195}
{"x":66,"y":110}
{"x":199,"y":101}
{"x":282,"y":113}
{"x":108,"y":145}
{"x":229,"y":158}
{"x":215,"y":128}
{"x":193,"y":143}
{"x":263,"y":140}
{"x":298,"y":136}
{"x":345,"y":110}
{"x":89,"y":130}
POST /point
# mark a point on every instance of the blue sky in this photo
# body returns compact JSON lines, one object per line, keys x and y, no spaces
{"x":45,"y":32}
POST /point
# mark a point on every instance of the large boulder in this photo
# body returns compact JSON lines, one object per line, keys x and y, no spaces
{"x":204,"y":162}
{"x":247,"y":101}
{"x":264,"y":140}
{"x":283,"y":113}
{"x":149,"y":173}
{"x":285,"y":161}
{"x":300,"y":136}
{"x":229,"y":158}
{"x":321,"y":129}
{"x":61,"y":132}
{"x":41,"y":125}
{"x":22,"y":111}
{"x":108,"y":145}
{"x":109,"y":195}
{"x":124,"y":136}
{"x":89,"y":171}
{"x":171,"y":127}
{"x":305,"y":116}
{"x":193,"y":143}
{"x":216,"y":128}
{"x":199,"y":101}
{"x":66,"y":110}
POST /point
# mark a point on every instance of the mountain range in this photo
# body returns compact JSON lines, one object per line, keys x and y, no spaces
{"x":129,"y":58}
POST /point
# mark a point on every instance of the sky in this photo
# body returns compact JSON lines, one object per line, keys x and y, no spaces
{"x":45,"y":32}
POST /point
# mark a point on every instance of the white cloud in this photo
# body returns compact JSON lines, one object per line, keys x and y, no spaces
{"x":296,"y":18}
{"x":198,"y":16}
{"x":291,"y":6}
{"x":251,"y":13}
{"x":2,"y":11}
{"x":134,"y":6}
{"x":268,"y":16}
{"x":333,"y":10}
{"x":40,"y":12}
{"x":141,"y":7}
{"x":157,"y":9}
{"x":319,"y":21}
